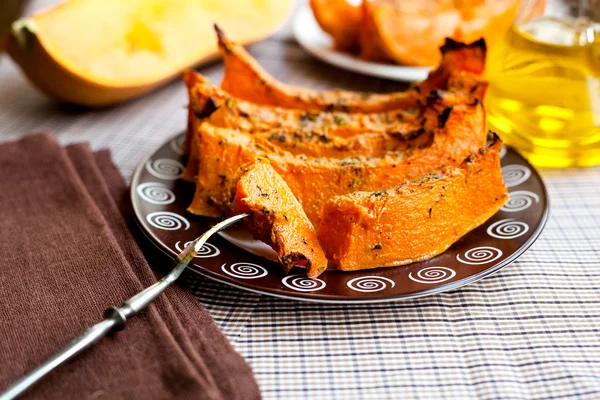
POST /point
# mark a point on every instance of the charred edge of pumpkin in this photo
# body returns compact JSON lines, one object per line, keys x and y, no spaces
{"x":408,"y":136}
{"x":192,"y":78}
{"x":434,"y":96}
{"x":437,"y":95}
{"x":454,"y":45}
{"x":444,"y":115}
{"x":289,"y":260}
{"x":224,"y":43}
{"x":494,"y":140}
{"x":205,"y":111}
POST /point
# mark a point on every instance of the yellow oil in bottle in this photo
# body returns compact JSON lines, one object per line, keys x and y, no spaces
{"x":544,"y":95}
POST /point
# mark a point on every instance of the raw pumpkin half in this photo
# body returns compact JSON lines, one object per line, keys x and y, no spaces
{"x":100,"y":52}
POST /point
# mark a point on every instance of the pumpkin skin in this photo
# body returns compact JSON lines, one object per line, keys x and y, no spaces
{"x":74,"y":55}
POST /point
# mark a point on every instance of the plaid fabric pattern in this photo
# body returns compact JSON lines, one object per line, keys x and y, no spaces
{"x":532,"y":331}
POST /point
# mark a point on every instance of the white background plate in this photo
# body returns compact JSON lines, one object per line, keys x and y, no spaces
{"x":318,"y":43}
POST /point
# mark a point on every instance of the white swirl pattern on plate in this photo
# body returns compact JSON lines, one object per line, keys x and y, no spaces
{"x":515,"y":174}
{"x":369,"y":284}
{"x":244,"y":270}
{"x":165,"y":168}
{"x":177,"y":145}
{"x":155,"y":193}
{"x":301,"y":283}
{"x":480,"y":255}
{"x":207,"y":250}
{"x":167,"y":220}
{"x":520,"y":200}
{"x":435,"y":274}
{"x":507,"y":229}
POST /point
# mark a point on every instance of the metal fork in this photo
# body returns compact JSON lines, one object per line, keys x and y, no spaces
{"x":116,"y":317}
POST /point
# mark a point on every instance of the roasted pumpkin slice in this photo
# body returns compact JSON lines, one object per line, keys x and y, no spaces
{"x":313,"y":144}
{"x":340,"y":20}
{"x":227,"y":111}
{"x":455,"y":131}
{"x":246,"y":79}
{"x":277,"y":218}
{"x":416,"y":220}
{"x":324,"y":134}
{"x":211,"y":104}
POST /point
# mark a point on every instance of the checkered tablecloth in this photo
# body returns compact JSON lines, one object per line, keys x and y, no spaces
{"x":531,"y":331}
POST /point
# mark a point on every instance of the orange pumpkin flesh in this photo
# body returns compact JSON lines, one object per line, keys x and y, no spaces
{"x":277,"y":217}
{"x":416,"y":220}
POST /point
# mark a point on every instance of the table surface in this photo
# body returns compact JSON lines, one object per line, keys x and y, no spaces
{"x":531,"y":331}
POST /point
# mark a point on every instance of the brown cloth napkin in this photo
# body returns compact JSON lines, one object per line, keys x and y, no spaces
{"x":66,"y":254}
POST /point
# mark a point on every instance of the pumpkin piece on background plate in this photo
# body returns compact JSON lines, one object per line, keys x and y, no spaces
{"x":416,"y":220}
{"x":411,"y":31}
{"x":370,"y":45}
{"x":277,"y":218}
{"x":339,"y":19}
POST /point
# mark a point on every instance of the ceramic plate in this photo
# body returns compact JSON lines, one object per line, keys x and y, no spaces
{"x":160,"y":199}
{"x":312,"y":38}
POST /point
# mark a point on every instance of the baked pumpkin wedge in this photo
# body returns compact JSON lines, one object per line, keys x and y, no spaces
{"x":305,"y":132}
{"x":246,"y":79}
{"x":416,"y":220}
{"x":456,"y":131}
{"x":340,"y":19}
{"x":277,"y":218}
{"x":227,"y":111}
{"x":211,"y":104}
{"x":314,"y":144}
